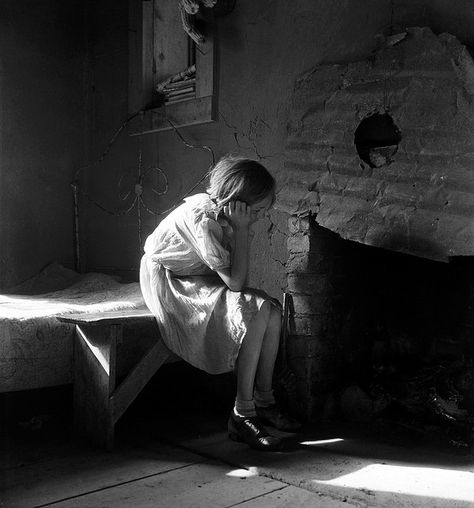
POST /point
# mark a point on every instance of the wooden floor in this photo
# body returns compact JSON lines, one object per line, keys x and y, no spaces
{"x":42,"y":464}
{"x":172,"y":451}
{"x":158,"y":476}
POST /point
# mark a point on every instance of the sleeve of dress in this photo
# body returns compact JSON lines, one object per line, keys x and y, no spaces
{"x":209,"y":236}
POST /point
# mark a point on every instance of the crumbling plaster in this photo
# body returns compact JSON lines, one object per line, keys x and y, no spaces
{"x":422,"y":201}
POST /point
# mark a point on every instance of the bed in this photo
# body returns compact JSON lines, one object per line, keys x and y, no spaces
{"x":35,"y":348}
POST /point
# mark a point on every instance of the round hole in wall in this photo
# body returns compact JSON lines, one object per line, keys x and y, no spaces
{"x":376,"y":139}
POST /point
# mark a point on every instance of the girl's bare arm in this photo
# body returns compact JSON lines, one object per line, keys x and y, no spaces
{"x":239,"y":214}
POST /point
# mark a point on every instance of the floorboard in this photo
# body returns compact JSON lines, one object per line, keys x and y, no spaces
{"x":76,"y":474}
{"x":294,"y":497}
{"x":202,"y":485}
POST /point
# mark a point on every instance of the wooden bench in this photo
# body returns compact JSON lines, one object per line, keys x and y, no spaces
{"x":98,"y":401}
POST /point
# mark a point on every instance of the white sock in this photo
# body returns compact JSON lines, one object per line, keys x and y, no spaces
{"x":264,"y":398}
{"x":244,"y":407}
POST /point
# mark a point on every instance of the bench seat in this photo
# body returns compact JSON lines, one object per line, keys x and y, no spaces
{"x":99,"y":400}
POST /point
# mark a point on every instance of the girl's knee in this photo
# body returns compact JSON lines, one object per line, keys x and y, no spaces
{"x":274,"y":320}
{"x":266,"y":310}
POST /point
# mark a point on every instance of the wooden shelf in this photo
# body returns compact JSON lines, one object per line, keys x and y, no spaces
{"x":180,"y":114}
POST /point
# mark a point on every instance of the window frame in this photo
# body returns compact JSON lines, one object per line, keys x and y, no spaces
{"x":143,"y":49}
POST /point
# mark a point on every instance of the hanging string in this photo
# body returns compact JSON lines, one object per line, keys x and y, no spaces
{"x":139,"y":183}
{"x":139,"y":189}
{"x":107,"y":148}
{"x":389,"y":73}
{"x":392,"y":14}
{"x":189,"y":145}
{"x":197,"y":147}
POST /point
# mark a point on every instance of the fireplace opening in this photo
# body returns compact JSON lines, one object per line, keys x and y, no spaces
{"x":376,"y":139}
{"x":382,"y":338}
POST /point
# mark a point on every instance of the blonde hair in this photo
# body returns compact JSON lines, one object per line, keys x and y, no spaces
{"x":236,"y":178}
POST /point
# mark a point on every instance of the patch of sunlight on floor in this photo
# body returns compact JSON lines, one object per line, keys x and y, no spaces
{"x":419,"y":481}
{"x":243,"y":473}
{"x":322,"y":441}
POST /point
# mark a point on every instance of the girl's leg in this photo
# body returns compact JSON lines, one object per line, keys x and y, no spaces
{"x":266,"y":408}
{"x":268,"y":352}
{"x":250,"y":351}
{"x":242,"y":424}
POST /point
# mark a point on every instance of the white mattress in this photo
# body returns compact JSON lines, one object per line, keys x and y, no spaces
{"x":35,"y":348}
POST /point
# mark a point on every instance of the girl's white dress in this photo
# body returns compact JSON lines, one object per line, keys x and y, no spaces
{"x":199,"y":317}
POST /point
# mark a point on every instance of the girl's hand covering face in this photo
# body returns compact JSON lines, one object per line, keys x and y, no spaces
{"x":239,"y":214}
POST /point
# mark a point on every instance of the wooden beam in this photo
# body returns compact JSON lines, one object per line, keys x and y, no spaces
{"x":138,"y":377}
{"x":124,"y":316}
{"x":94,"y":381}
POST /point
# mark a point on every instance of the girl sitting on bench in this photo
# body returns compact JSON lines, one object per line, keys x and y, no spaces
{"x":193,"y":276}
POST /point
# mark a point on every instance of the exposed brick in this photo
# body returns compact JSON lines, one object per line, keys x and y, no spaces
{"x":298,"y":243}
{"x":309,"y":304}
{"x":299,"y":262}
{"x":427,"y":177}
{"x":302,"y":367}
{"x":307,"y":400}
{"x":303,"y":403}
{"x":316,"y":373}
{"x":309,"y":284}
{"x":299,"y":224}
{"x":309,"y":262}
{"x":314,"y":325}
{"x":306,"y":347}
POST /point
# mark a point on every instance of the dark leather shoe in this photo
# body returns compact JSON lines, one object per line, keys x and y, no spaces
{"x":251,"y":431}
{"x":274,"y":416}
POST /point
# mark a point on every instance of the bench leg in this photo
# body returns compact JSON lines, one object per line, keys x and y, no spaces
{"x":137,"y":378}
{"x":94,"y":382}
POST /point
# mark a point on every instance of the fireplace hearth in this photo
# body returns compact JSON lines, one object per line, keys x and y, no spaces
{"x":377,"y":335}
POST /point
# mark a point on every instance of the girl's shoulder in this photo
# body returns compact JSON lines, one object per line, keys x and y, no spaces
{"x":200,"y":201}
{"x":201,"y":207}
{"x":206,"y":213}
